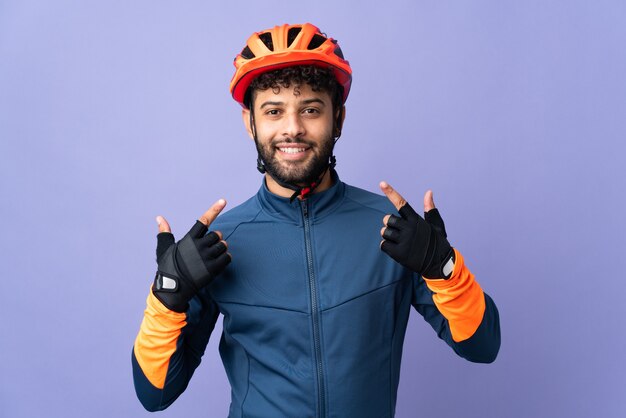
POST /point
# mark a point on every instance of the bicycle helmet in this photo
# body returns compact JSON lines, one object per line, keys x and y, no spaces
{"x":286,"y":46}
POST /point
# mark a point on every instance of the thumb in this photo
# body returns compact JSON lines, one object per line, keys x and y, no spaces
{"x":164,"y":238}
{"x":163,"y":225}
{"x":209,"y":216}
{"x":429,"y":202}
{"x":432,"y":215}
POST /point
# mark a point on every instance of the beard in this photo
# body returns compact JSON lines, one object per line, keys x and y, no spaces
{"x":298,"y":173}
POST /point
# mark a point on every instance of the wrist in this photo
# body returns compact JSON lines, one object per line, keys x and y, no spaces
{"x":172,"y":291}
{"x":443,"y":268}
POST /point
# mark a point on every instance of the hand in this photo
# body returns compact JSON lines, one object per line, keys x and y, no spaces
{"x":417,"y":243}
{"x":190,"y":264}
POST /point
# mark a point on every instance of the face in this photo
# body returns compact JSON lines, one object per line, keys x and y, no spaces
{"x":294,"y":132}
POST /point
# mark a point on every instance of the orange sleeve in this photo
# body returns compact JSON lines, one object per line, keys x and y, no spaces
{"x":460,"y":300}
{"x":156,"y":341}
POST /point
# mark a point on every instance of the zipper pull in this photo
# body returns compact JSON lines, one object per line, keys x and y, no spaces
{"x":305,"y":208}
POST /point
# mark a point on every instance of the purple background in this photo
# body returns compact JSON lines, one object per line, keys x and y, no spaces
{"x":514,"y":113}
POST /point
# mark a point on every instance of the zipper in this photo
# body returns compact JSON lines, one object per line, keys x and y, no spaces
{"x":315,"y":313}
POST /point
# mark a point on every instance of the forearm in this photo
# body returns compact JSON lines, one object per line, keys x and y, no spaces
{"x":156,"y":340}
{"x":484,"y":344}
{"x":162,"y":362}
{"x":472,"y":316}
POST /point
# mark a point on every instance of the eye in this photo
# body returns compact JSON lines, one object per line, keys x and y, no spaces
{"x":272,"y":112}
{"x":311,"y":111}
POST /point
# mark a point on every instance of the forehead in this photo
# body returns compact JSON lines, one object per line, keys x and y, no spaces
{"x":290,"y":95}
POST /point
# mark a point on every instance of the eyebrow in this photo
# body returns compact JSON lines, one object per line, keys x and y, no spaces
{"x":271,"y":104}
{"x":306,"y":102}
{"x":314,"y":100}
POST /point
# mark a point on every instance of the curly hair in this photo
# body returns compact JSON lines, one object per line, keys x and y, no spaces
{"x":319,"y":79}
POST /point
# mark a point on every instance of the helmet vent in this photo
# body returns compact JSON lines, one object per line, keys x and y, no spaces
{"x":247,"y":53}
{"x":338,"y":51}
{"x":316,"y":41}
{"x":292,"y":34}
{"x":266,"y":38}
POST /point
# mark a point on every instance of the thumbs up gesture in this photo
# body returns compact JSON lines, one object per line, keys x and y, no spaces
{"x":186,"y":266}
{"x":417,"y":243}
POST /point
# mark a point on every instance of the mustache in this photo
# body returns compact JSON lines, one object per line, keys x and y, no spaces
{"x":302,"y":141}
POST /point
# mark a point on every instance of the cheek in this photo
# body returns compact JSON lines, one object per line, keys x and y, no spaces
{"x":261,"y":136}
{"x":265,"y":141}
{"x":265,"y":131}
{"x":320,"y":134}
{"x":320,"y":128}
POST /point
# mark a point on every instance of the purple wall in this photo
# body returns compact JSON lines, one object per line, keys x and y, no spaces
{"x":513,"y":112}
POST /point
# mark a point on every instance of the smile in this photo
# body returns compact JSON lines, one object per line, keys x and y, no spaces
{"x":292,"y":150}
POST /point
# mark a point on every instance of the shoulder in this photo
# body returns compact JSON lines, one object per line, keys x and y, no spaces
{"x":368,"y":200}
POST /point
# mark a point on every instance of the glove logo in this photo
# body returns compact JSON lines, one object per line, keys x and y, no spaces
{"x":165,"y":283}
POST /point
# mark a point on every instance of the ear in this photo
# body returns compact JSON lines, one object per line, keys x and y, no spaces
{"x":343,"y":114}
{"x":245,"y":115}
{"x":340,"y":118}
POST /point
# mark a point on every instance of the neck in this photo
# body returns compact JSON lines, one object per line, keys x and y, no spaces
{"x":281,"y":191}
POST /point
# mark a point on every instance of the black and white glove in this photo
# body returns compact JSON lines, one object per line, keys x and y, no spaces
{"x":420,"y":244}
{"x":186,"y":266}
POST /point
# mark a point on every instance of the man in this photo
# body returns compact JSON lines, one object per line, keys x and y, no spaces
{"x":316,"y":296}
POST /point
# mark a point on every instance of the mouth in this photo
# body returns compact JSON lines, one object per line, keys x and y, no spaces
{"x":293,"y":152}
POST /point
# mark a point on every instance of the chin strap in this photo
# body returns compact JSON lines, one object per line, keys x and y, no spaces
{"x":304,"y":192}
{"x":299,"y":191}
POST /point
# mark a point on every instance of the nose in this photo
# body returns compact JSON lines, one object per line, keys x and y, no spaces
{"x":294,"y":126}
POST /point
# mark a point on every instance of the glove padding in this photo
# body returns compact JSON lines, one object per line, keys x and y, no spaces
{"x":187,"y":266}
{"x":417,"y":243}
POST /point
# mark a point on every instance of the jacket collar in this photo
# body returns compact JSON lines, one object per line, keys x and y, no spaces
{"x":318,"y":205}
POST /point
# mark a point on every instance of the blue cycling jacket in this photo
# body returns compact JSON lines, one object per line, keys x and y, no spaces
{"x":314,"y":313}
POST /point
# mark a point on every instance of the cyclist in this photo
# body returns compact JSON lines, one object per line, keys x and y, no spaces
{"x":316,"y":295}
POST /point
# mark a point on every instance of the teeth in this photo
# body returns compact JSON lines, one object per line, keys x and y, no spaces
{"x":292,"y":150}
